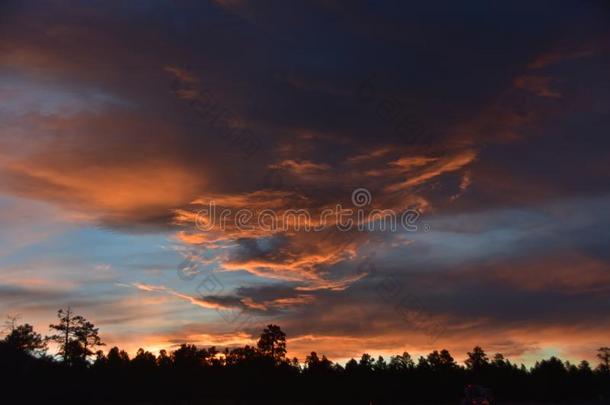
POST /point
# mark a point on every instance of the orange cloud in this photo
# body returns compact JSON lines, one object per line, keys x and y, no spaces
{"x":198,"y":301}
{"x":135,"y":190}
{"x":551,"y":58}
{"x":443,"y":165}
{"x":228,"y":302}
{"x":300,"y":167}
{"x":373,"y":154}
{"x":567,"y":272}
{"x":539,"y":85}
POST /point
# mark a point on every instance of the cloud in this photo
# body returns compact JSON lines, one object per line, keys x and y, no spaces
{"x":539,"y":85}
{"x":568,"y":273}
{"x":80,"y":158}
{"x":550,"y":58}
{"x":445,"y":165}
{"x":213,"y":302}
{"x":230,"y":302}
{"x":300,"y":167}
{"x":101,"y":128}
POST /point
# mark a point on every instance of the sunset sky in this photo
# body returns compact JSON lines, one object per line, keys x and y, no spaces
{"x":119,"y":121}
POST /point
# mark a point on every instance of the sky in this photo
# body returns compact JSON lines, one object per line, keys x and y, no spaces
{"x":123,"y":123}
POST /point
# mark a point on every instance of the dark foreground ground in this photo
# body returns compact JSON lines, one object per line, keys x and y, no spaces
{"x":350,"y":402}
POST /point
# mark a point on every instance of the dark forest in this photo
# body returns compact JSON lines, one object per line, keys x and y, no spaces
{"x":80,"y":371}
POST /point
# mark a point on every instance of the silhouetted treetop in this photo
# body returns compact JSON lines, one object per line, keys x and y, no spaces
{"x":477,"y":359}
{"x":76,"y":336}
{"x":23,"y":338}
{"x":272,"y":343}
{"x":263,"y":372}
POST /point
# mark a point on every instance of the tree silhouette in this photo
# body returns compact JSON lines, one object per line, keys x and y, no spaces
{"x":272,"y":343}
{"x":144,"y":360}
{"x":117,"y":359}
{"x":498,"y":360}
{"x":423,"y":364}
{"x":401,"y":362}
{"x":447,"y":361}
{"x":10,"y":324}
{"x":366,"y":362}
{"x":163,"y":360}
{"x":316,"y":365}
{"x":245,"y":372}
{"x":603,"y":354}
{"x":101,"y":360}
{"x":23,"y":338}
{"x":442,"y":361}
{"x":351,"y":366}
{"x":187,"y":357}
{"x":551,"y":376}
{"x":241,"y":355}
{"x":477,"y":359}
{"x":584,"y":367}
{"x":380,"y":365}
{"x":75,"y":336}
{"x":66,"y":329}
{"x":88,"y":336}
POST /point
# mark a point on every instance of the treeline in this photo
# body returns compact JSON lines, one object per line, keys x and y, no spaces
{"x":81,"y":371}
